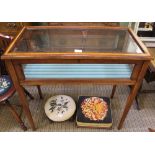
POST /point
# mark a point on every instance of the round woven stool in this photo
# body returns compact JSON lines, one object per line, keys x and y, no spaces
{"x":60,"y":108}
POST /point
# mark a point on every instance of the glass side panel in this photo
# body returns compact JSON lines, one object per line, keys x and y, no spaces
{"x":76,"y":40}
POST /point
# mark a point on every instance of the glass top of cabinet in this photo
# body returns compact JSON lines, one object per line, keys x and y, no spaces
{"x":76,"y":40}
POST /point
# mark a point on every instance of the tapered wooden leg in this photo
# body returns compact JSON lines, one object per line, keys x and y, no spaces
{"x":40,"y":92}
{"x":28,"y":94}
{"x":133,"y":93}
{"x":128,"y":105}
{"x":137,"y":96}
{"x":137,"y":103}
{"x":20,"y":92}
{"x":113,"y":91}
{"x":15,"y":115}
{"x":25,"y":105}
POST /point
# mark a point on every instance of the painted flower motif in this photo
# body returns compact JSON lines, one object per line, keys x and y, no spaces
{"x":4,"y":83}
{"x":59,"y":105}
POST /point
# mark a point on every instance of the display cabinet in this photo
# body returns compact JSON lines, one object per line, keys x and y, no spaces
{"x":41,"y":55}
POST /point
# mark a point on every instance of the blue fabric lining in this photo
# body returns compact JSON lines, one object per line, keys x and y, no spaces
{"x":77,"y":71}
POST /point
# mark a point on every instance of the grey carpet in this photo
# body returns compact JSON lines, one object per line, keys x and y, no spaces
{"x":136,"y":121}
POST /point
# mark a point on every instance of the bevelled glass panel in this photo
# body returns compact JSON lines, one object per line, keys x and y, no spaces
{"x":76,"y":40}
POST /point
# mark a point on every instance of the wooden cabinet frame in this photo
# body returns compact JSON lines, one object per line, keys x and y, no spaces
{"x":15,"y":60}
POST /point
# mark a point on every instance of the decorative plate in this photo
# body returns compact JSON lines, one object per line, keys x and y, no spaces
{"x":60,"y":108}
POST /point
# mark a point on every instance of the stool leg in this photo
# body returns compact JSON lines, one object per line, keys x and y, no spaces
{"x":113,"y":91}
{"x":40,"y":92}
{"x":14,"y":113}
{"x":28,"y":94}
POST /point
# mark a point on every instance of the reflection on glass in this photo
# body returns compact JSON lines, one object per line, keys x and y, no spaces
{"x":76,"y":40}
